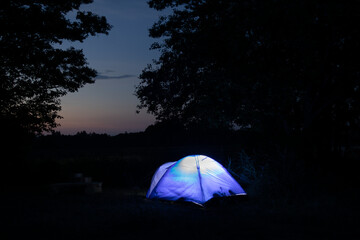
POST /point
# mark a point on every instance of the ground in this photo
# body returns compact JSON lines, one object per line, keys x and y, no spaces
{"x":127,"y":214}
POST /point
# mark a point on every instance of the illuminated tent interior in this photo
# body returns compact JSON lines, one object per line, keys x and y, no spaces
{"x":195,"y":178}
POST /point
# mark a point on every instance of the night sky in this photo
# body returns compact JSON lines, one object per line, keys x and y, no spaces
{"x":109,"y":105}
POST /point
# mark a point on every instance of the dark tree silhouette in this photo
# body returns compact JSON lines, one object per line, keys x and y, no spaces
{"x":34,"y":73}
{"x":287,"y":68}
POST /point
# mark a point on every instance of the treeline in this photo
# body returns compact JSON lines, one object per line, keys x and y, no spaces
{"x":129,"y":160}
{"x":124,"y":160}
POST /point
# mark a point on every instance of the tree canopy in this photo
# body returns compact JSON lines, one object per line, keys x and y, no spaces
{"x":283,"y":67}
{"x":34,"y":73}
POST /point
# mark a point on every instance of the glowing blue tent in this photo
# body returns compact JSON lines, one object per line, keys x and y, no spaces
{"x":195,"y":178}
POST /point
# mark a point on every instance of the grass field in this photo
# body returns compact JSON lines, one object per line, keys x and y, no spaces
{"x":283,"y":202}
{"x":127,"y":214}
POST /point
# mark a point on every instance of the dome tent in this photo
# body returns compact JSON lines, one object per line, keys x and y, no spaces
{"x":195,"y":178}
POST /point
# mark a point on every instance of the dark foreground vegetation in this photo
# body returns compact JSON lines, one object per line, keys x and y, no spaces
{"x":116,"y":214}
{"x":285,"y":201}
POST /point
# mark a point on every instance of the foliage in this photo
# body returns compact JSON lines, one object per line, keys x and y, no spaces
{"x":244,"y":168}
{"x":34,"y":73}
{"x":286,"y":68}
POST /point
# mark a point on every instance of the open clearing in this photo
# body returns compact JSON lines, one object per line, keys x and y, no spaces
{"x":119,"y":214}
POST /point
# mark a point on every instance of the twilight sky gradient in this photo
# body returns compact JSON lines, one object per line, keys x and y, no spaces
{"x":109,"y":105}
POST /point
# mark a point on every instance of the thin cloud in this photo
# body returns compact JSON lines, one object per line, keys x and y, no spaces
{"x":105,"y":77}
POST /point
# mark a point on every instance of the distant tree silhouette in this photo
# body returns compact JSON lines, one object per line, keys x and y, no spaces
{"x":34,"y":73}
{"x":287,"y":68}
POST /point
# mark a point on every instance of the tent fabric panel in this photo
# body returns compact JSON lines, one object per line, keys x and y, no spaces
{"x":158,"y":175}
{"x":217,"y":181}
{"x":180,"y":181}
